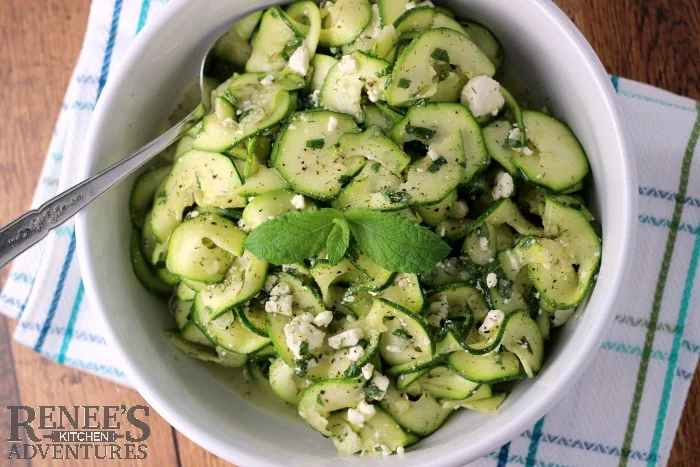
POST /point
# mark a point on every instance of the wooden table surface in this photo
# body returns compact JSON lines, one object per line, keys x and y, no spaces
{"x":654,"y":41}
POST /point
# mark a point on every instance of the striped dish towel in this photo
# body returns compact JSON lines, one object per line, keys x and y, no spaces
{"x":626,"y":407}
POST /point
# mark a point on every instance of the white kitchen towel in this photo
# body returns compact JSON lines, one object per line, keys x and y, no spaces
{"x":624,"y":410}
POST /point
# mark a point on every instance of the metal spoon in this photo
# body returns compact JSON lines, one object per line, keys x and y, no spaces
{"x":33,"y":226}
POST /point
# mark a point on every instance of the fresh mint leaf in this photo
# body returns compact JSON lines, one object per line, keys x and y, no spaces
{"x":441,"y":55}
{"x":436,"y":164}
{"x":396,"y":243}
{"x":293,"y":237}
{"x":338,"y":240}
{"x":404,"y":83}
{"x":315,"y":143}
{"x":419,"y":131}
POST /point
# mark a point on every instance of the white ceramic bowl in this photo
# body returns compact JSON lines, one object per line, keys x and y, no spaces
{"x":549,"y":57}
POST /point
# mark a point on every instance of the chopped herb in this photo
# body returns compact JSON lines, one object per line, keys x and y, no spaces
{"x":199,"y":182}
{"x":401,"y":333}
{"x":441,"y":55}
{"x":353,"y":371}
{"x":343,"y":179}
{"x":319,"y":399}
{"x":532,"y":303}
{"x":404,"y":83}
{"x":420,"y":132}
{"x":384,"y":72}
{"x":436,"y":164}
{"x":398,"y":197}
{"x":376,"y":166}
{"x":482,"y":231}
{"x":315,"y":143}
{"x":505,"y":286}
{"x":525,"y":344}
{"x":304,"y":349}
{"x":161,"y":193}
{"x":512,"y":143}
{"x":364,"y":342}
{"x":372,"y":391}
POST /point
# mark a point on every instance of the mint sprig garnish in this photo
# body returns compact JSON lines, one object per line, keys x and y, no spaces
{"x":393,"y":242}
{"x":293,"y":237}
{"x":338,"y":240}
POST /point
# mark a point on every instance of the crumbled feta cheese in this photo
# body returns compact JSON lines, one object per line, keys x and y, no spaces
{"x":374,"y":93}
{"x":356,"y":417}
{"x":381,"y":381}
{"x":439,"y":311}
{"x":349,"y":299}
{"x":440,"y":230}
{"x":301,"y":329}
{"x":345,"y":339}
{"x":243,"y":226}
{"x":347,"y":65}
{"x":413,"y":4}
{"x":491,"y":280}
{"x":400,"y":449}
{"x":268,"y":80}
{"x":334,"y":50}
{"x":314,"y":99}
{"x":484,"y":243}
{"x":386,"y":450}
{"x":433,"y":155}
{"x":280,"y":289}
{"x":323,"y":319}
{"x":366,"y":409}
{"x":419,"y":170}
{"x":493,"y":319}
{"x":332,"y":123}
{"x":459,"y":210}
{"x":299,"y":61}
{"x":514,"y":134}
{"x":526,"y":151}
{"x":355,"y":353}
{"x":269,"y":218}
{"x":482,"y":95}
{"x":281,"y":304}
{"x":367,"y":370}
{"x":373,"y":28}
{"x":432,"y":71}
{"x":298,"y":201}
{"x":504,"y":186}
{"x":270,"y":282}
{"x":537,"y":295}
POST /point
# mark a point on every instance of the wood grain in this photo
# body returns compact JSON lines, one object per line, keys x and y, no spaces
{"x":654,"y":41}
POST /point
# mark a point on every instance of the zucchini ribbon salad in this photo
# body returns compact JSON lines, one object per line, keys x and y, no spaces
{"x":367,"y":222}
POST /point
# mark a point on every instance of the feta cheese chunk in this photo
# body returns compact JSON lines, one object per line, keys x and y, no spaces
{"x":382,"y":383}
{"x":504,"y":186}
{"x":314,"y":97}
{"x":243,"y":226}
{"x":514,"y":134}
{"x":266,"y":81}
{"x":373,"y":29}
{"x":332,"y":123}
{"x":345,"y":339}
{"x":459,"y":210}
{"x":356,"y":417}
{"x":491,"y":280}
{"x":494,"y":318}
{"x":374,"y":93}
{"x":367,"y":370}
{"x":280,"y":289}
{"x":483,"y":96}
{"x":439,"y":311}
{"x":366,"y":409}
{"x":412,"y":4}
{"x":299,"y":61}
{"x":323,"y":319}
{"x":347,"y":65}
{"x":484,"y":243}
{"x":270,"y":282}
{"x":433,"y":155}
{"x":355,"y":353}
{"x":300,"y":330}
{"x":298,"y":201}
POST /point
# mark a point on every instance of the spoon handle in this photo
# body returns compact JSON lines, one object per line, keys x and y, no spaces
{"x":30,"y":228}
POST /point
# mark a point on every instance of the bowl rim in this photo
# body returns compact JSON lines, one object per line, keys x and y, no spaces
{"x":457,"y":455}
